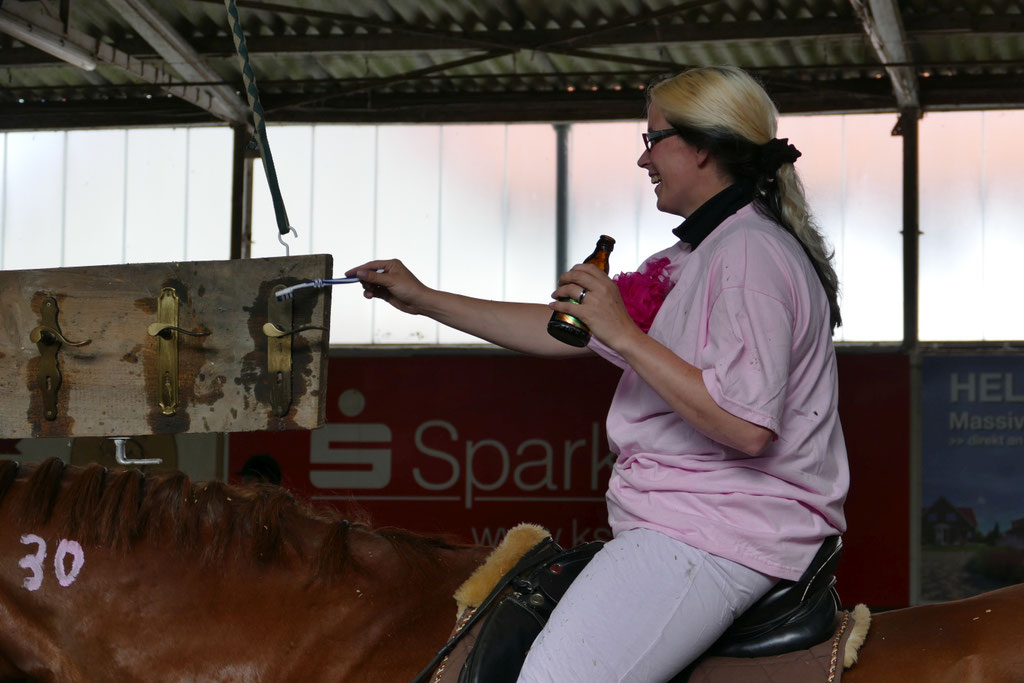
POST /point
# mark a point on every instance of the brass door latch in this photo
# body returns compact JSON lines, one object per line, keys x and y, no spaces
{"x":279,"y":352}
{"x":279,"y":332}
{"x":166,"y":330}
{"x":48,"y":339}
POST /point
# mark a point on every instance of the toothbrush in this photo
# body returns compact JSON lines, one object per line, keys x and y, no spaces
{"x":289,"y":292}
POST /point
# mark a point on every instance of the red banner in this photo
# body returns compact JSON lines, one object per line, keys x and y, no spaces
{"x":470,"y":445}
{"x":874,"y":406}
{"x":463,"y":445}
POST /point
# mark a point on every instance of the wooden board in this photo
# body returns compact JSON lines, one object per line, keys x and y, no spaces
{"x":109,"y":387}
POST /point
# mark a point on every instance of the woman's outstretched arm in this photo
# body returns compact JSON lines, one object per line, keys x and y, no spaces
{"x":517,"y":326}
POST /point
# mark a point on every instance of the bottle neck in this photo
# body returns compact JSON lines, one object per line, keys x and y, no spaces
{"x":599,"y":259}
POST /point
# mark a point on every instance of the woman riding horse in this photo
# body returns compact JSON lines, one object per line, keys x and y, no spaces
{"x":731,"y":466}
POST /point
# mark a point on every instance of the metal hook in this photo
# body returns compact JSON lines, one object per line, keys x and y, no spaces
{"x":280,"y":238}
{"x":121,"y":459}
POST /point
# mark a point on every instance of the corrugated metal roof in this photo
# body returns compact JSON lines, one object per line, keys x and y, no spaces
{"x":494,"y":60}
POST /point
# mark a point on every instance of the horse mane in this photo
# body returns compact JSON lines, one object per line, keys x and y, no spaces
{"x":261,"y":522}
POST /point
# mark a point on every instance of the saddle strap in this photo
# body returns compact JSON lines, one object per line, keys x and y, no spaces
{"x":465,"y":639}
{"x":542,"y":552}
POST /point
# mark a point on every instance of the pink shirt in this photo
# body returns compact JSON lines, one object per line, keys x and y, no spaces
{"x":748,"y":309}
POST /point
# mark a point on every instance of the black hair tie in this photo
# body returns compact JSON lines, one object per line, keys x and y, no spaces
{"x":774,"y":154}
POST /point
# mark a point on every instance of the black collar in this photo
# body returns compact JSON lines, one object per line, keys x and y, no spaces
{"x":711,"y":213}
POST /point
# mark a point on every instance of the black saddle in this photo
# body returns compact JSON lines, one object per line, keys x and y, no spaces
{"x":512,"y":615}
{"x":793,"y":615}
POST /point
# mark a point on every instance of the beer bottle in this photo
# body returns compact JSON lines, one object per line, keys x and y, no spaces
{"x":566,"y":328}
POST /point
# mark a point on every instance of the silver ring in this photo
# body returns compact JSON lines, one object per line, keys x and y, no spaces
{"x":583,"y":293}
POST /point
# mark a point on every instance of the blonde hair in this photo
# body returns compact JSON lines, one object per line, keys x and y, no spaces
{"x":725,"y":111}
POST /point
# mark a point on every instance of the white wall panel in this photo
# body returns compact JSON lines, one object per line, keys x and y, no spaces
{"x":1003,"y":201}
{"x":34,"y":200}
{"x":951,"y":222}
{"x":408,"y":217}
{"x":871,"y":251}
{"x":208,"y":218}
{"x":3,"y":194}
{"x":155,"y":195}
{"x":602,"y":175}
{"x":529,"y":249}
{"x":95,"y":198}
{"x":344,"y":187}
{"x":472,"y":218}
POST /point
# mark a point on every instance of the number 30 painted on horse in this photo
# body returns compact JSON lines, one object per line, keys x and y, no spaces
{"x":34,"y":562}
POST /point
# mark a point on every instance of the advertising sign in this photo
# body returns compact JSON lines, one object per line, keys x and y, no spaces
{"x":972,"y":475}
{"x":457,"y":445}
{"x":467,"y":446}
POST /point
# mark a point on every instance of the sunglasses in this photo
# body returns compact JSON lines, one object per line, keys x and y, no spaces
{"x":656,"y":136}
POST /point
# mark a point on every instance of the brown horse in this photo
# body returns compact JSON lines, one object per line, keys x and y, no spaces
{"x":975,"y":640}
{"x":116,"y":576}
{"x":112,"y":576}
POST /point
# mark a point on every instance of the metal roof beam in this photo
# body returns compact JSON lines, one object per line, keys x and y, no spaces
{"x":865,"y":94}
{"x":766,"y":31}
{"x":402,"y":29}
{"x":52,"y":39}
{"x":182,"y":57}
{"x":492,"y":40}
{"x":884,"y":27}
{"x":197,"y":95}
{"x":108,"y":55}
{"x":525,"y":39}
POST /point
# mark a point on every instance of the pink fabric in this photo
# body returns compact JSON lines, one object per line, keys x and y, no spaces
{"x":644,"y":290}
{"x":748,"y":310}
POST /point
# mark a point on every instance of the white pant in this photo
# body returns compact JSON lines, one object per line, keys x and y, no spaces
{"x":644,"y":608}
